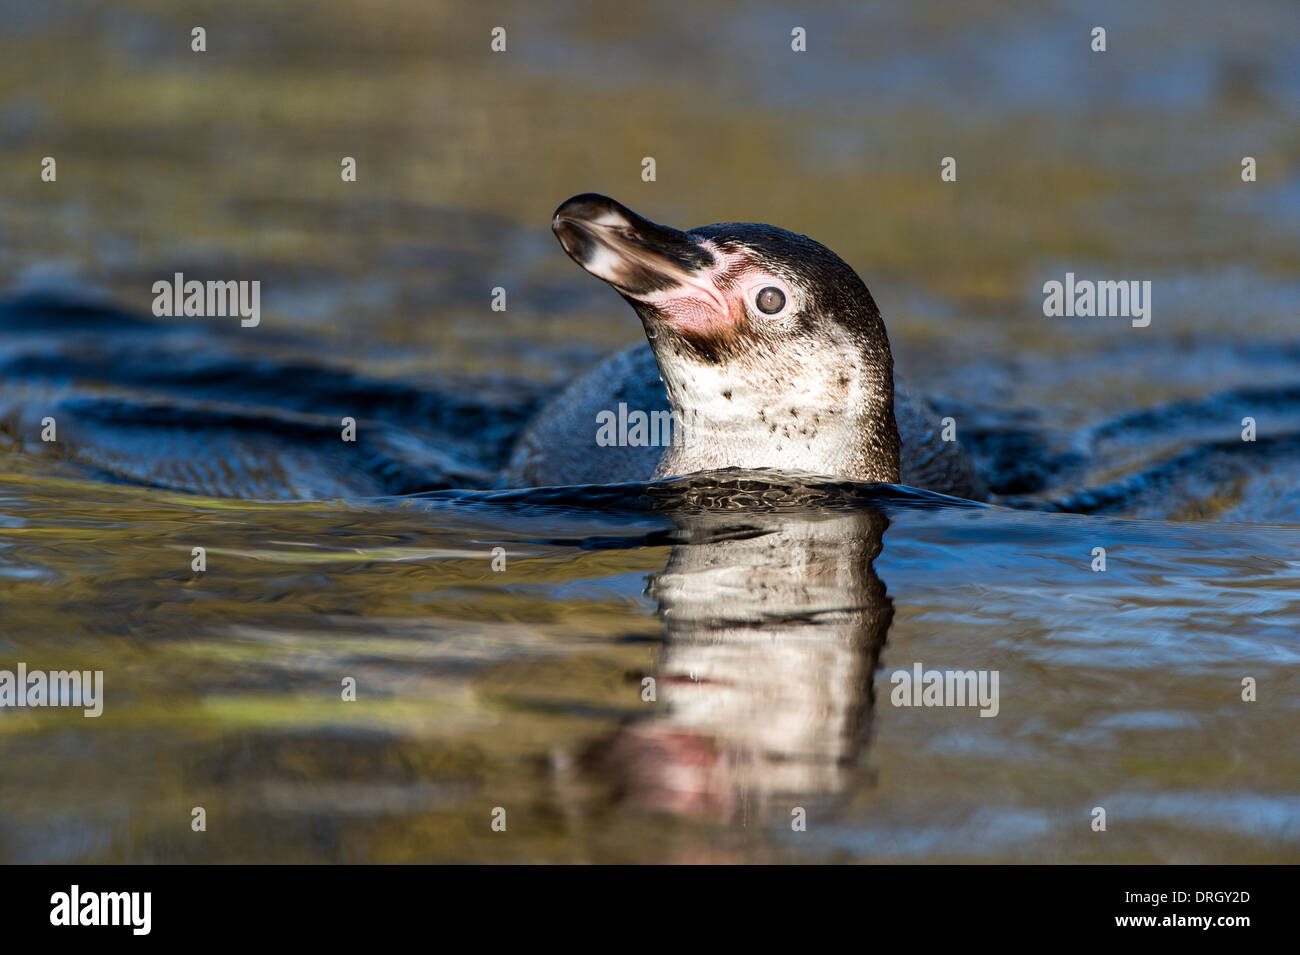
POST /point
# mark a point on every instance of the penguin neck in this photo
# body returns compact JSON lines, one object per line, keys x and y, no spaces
{"x":828,"y":413}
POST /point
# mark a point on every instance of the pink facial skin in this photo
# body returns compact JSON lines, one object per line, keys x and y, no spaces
{"x":712,"y":302}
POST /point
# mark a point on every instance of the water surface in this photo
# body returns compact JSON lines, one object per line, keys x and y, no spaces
{"x":771,"y":612}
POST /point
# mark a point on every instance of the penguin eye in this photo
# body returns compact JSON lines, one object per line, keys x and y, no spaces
{"x":770,"y":300}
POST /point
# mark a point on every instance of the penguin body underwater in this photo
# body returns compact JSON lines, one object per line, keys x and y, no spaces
{"x":764,"y":350}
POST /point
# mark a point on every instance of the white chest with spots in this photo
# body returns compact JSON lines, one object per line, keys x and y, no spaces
{"x":776,"y":415}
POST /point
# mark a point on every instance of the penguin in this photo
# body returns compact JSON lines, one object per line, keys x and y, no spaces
{"x":764,"y":350}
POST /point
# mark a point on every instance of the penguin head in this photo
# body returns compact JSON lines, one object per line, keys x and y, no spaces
{"x":756,"y":330}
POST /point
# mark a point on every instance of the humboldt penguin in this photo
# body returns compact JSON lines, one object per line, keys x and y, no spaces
{"x":765,"y":350}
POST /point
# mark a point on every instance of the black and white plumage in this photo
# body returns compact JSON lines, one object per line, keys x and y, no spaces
{"x":766,"y":346}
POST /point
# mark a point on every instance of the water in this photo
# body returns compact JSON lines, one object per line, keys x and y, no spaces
{"x":772,"y":612}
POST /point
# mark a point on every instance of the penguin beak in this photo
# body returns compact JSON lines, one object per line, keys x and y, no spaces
{"x":636,"y":256}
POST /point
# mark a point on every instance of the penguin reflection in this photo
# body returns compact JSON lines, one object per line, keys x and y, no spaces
{"x":773,"y":626}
